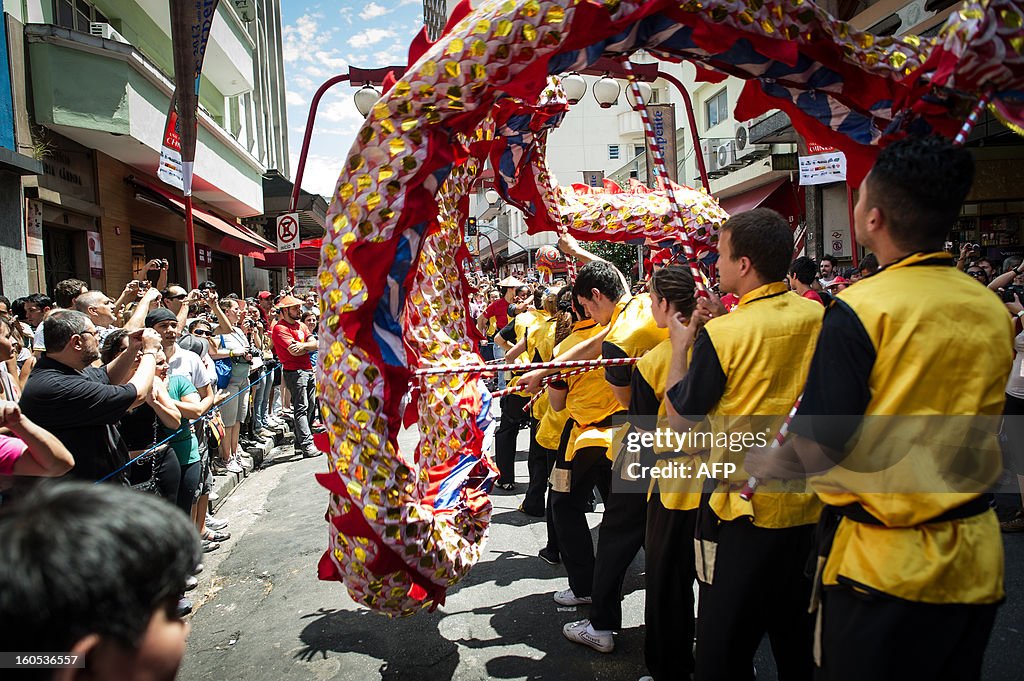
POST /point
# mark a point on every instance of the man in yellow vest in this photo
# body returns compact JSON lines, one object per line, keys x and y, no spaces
{"x":911,"y":566}
{"x":747,"y":369}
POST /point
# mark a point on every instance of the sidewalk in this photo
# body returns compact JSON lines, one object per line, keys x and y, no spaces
{"x":225,"y":482}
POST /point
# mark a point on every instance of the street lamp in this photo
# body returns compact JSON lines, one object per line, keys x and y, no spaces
{"x":575,"y":87}
{"x":491,"y":197}
{"x":365,"y":97}
{"x":606,"y":91}
{"x":645,"y":73}
{"x":355,"y":74}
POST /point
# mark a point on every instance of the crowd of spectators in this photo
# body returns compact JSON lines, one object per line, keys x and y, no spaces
{"x":160,"y":389}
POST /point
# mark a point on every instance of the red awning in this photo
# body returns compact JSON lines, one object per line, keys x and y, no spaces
{"x":237,"y":240}
{"x":750,"y":199}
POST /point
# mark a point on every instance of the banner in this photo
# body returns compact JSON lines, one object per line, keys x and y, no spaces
{"x":169,"y":170}
{"x":663,"y":120}
{"x":190,"y":32}
{"x":822,"y":165}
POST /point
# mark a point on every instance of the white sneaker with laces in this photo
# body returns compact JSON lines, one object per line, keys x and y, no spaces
{"x":582,"y":632}
{"x":245,"y":460}
{"x":567,"y":597}
{"x":234,"y":465}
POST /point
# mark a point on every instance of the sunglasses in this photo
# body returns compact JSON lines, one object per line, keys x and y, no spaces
{"x":201,"y":332}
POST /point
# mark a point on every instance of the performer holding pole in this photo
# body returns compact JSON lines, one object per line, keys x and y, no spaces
{"x":910,"y":558}
{"x":747,"y":369}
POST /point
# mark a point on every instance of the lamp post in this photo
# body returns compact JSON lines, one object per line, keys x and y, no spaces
{"x":363,"y":102}
{"x":609,"y":69}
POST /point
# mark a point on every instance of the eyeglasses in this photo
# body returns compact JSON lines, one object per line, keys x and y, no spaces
{"x":977,"y":274}
{"x":91,"y":333}
{"x":201,"y":332}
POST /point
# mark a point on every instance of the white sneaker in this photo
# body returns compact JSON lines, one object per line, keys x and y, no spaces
{"x":245,"y":460}
{"x":567,"y":597}
{"x":582,"y":632}
{"x":215,"y":523}
{"x":234,"y":465}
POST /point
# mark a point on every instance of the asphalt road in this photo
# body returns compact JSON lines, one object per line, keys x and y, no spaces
{"x":262,"y":614}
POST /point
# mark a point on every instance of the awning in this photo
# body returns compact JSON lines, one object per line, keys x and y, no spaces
{"x":237,"y":240}
{"x":751,"y":199}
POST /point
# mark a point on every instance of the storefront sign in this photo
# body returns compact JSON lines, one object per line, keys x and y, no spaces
{"x":593,"y":178}
{"x":33,"y":227}
{"x":68,"y":169}
{"x":822,"y":165}
{"x":95,"y":254}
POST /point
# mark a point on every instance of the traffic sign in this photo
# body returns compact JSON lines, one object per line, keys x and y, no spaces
{"x":288,"y":232}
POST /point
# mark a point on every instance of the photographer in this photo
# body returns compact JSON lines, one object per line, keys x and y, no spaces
{"x":231,"y":342}
{"x":1011,"y":281}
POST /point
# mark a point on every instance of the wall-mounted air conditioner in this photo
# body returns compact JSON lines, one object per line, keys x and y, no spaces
{"x":742,"y":147}
{"x":106,"y":31}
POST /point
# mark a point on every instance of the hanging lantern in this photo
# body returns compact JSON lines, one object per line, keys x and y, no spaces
{"x":575,"y":87}
{"x":365,"y":97}
{"x":606,"y":91}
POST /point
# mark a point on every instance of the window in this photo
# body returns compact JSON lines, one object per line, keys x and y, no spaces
{"x":639,"y":150}
{"x":613,"y":152}
{"x":76,"y":15}
{"x":716,"y":109}
{"x":654,"y":96}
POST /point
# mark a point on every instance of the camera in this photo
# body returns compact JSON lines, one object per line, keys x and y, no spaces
{"x":1007,"y":293}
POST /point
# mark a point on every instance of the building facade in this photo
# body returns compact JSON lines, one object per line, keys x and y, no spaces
{"x":101,"y":79}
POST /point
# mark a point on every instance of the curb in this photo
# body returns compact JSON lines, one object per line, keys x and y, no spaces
{"x":225,"y":482}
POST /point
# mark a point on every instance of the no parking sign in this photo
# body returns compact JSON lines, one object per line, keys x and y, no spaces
{"x":288,"y":232}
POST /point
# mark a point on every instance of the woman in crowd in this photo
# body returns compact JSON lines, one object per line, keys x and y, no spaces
{"x":231,"y":343}
{"x":142,"y":427}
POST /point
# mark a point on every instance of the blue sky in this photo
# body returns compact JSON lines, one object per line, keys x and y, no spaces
{"x":320,"y":40}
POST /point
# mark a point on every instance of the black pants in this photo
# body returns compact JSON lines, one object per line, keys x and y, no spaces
{"x":590,"y":467}
{"x":557,"y":458}
{"x":882,"y":638}
{"x":619,"y":539}
{"x":668,"y":607}
{"x":760,"y":587}
{"x":539,"y":464}
{"x":168,"y":473}
{"x":513,"y":419}
{"x":188,"y":487}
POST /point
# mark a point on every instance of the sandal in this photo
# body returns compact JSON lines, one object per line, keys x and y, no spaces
{"x":214,"y":536}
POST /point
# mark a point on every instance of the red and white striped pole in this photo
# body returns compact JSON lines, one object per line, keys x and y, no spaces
{"x":662,"y":174}
{"x":569,"y":364}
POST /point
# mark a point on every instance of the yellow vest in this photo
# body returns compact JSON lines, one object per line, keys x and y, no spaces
{"x":765,"y":347}
{"x":633,"y":329}
{"x":679,"y":494}
{"x":590,"y":399}
{"x":552,"y":423}
{"x":943,"y":349}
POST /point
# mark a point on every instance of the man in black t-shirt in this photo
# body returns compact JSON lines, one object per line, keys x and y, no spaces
{"x":80,"y":404}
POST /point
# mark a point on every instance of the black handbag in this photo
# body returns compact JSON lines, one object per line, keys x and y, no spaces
{"x":153,"y":458}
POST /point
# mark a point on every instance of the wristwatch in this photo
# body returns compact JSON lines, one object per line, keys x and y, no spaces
{"x":1020,"y":315}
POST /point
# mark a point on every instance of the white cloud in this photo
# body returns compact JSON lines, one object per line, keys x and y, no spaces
{"x":294,"y":98}
{"x":321,"y":172}
{"x":370,"y":36}
{"x":373,"y":11}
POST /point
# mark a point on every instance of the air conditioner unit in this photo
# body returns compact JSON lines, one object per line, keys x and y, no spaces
{"x":709,"y":149}
{"x":106,"y":31}
{"x":742,"y":148}
{"x":725,"y":157}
